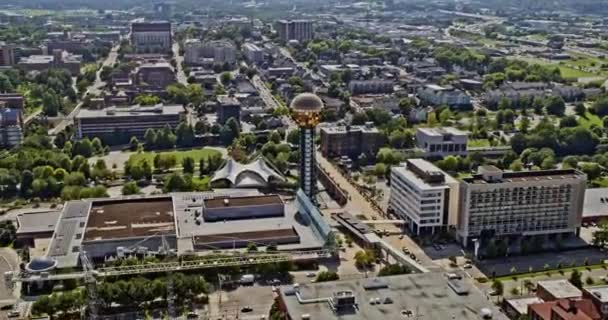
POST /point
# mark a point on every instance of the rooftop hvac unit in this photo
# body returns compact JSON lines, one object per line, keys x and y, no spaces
{"x":344,"y":299}
{"x":142,"y":250}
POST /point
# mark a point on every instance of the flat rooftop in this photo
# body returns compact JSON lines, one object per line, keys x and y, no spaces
{"x":232,"y":202}
{"x":422,"y":296}
{"x":346,"y":129}
{"x":132,"y":111}
{"x":600,"y":292}
{"x":529,"y":176}
{"x":408,"y":172}
{"x":596,"y":203}
{"x":439,"y":132}
{"x":521,"y":304}
{"x":561,"y":289}
{"x":187,"y":204}
{"x":130,"y":218}
{"x":37,"y":222}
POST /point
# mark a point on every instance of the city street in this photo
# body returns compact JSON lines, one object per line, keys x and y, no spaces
{"x":181,"y":75}
{"x":94,"y":89}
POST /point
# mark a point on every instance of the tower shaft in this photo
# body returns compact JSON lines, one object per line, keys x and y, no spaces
{"x":308,"y":163}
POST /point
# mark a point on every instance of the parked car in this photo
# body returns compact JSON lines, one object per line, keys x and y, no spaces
{"x":247,"y":309}
{"x":310,"y":274}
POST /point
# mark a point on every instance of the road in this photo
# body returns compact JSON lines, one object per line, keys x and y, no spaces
{"x":31,"y":117}
{"x":93,"y":89}
{"x":357,"y":204}
{"x":265,"y":93}
{"x":181,"y":75}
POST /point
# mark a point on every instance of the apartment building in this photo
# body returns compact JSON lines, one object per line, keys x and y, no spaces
{"x":441,"y":142}
{"x":157,"y":74}
{"x":424,"y":196}
{"x":494,"y":203}
{"x":437,"y":95}
{"x":151,"y":37}
{"x":59,"y":59}
{"x":300,"y":30}
{"x":197,"y":52}
{"x":227,"y":107}
{"x":11,"y":133}
{"x":7,"y":54}
{"x":371,"y":86}
{"x":129,"y":121}
{"x":253,"y":53}
{"x":351,"y":141}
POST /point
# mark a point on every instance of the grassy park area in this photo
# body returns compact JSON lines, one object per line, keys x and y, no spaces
{"x":196,"y":154}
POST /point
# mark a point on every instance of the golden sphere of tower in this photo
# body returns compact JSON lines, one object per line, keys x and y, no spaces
{"x":306,"y":109}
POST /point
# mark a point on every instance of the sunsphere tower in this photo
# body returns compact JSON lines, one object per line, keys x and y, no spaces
{"x":306,"y":111}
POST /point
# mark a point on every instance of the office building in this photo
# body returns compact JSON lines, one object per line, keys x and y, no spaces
{"x":126,"y":121}
{"x":370,"y":86}
{"x":531,"y":203}
{"x":300,"y":30}
{"x":12,"y":100}
{"x":59,"y":59}
{"x":157,"y":74}
{"x":190,"y":222}
{"x":253,"y":53}
{"x":7,"y":55}
{"x":197,"y":52}
{"x":306,"y":111}
{"x":228,"y":107}
{"x":430,"y":296}
{"x":151,"y":37}
{"x":11,"y":133}
{"x":564,"y":309}
{"x":599,"y":297}
{"x":351,"y":141}
{"x":437,"y":95}
{"x":424,"y":196}
{"x":442,"y":142}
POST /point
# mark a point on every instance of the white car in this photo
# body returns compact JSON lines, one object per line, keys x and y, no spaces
{"x":310,"y":274}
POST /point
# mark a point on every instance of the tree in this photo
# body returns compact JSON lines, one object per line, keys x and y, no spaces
{"x":394,"y":269}
{"x":600,"y":107}
{"x":175,"y":182}
{"x":252,"y":247}
{"x":225,"y":78}
{"x":293,"y":137}
{"x":498,"y":287}
{"x":150,"y":138}
{"x":580,"y":109}
{"x":130,"y":188}
{"x":188,"y":165}
{"x":184,"y":135}
{"x":555,"y":105}
{"x":325,"y":276}
{"x":364,"y":258}
{"x":27,"y":178}
{"x":134,"y":144}
{"x":147,"y":100}
{"x":576,"y":279}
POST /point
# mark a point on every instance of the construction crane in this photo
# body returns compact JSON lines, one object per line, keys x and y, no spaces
{"x":91,"y":285}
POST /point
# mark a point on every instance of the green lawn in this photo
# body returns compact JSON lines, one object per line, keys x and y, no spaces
{"x":478,"y":143}
{"x":571,"y":73}
{"x":196,"y":154}
{"x":590,"y":119}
